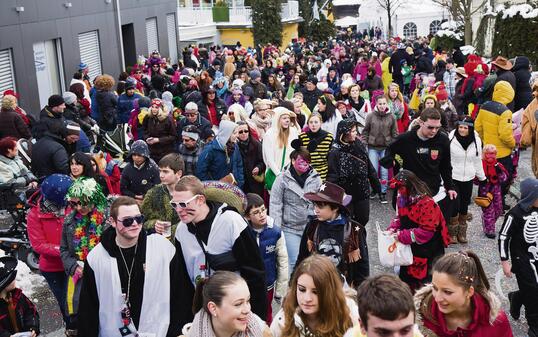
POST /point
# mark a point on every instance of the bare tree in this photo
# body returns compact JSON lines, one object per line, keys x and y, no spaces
{"x":390,"y":6}
{"x":462,"y":11}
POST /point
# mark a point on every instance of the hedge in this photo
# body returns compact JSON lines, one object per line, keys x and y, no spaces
{"x":516,"y":36}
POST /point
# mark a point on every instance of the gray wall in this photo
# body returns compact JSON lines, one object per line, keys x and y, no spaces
{"x":49,"y":19}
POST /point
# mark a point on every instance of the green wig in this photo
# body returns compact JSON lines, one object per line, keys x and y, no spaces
{"x":89,"y":192}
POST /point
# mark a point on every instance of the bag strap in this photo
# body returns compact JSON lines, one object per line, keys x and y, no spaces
{"x":283,"y":157}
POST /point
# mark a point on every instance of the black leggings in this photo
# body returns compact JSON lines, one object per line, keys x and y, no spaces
{"x":465,"y":190}
{"x":361,"y":270}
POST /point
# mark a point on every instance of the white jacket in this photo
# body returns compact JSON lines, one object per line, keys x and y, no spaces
{"x":466,"y":164}
{"x":272,"y":154}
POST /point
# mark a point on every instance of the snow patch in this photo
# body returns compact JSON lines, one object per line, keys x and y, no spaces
{"x":26,"y":279}
{"x":466,"y":50}
{"x":525,"y":10}
{"x":449,"y":33}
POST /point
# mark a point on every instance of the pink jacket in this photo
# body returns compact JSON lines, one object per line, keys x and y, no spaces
{"x":45,"y":232}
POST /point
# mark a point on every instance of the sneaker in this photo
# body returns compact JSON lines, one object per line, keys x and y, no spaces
{"x":383,"y":198}
{"x":490,"y":235}
{"x":372,"y":195}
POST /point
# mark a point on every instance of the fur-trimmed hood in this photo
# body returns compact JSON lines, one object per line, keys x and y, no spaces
{"x":424,"y":297}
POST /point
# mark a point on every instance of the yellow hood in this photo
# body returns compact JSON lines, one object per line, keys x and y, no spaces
{"x":503,"y":92}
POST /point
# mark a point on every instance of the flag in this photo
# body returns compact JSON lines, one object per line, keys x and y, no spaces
{"x":315,"y":11}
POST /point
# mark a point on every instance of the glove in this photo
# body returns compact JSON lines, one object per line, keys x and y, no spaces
{"x":95,"y":128}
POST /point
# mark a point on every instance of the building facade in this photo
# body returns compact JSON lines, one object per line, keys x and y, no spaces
{"x":42,"y":42}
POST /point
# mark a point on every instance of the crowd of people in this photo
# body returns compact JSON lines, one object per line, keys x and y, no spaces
{"x":247,"y":187}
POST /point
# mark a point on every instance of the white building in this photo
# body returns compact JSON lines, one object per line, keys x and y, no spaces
{"x":412,"y":19}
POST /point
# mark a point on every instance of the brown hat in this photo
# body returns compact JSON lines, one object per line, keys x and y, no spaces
{"x":329,"y":192}
{"x":461,"y":72}
{"x":502,"y":63}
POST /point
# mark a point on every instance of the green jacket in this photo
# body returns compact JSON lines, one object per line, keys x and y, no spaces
{"x":156,"y":206}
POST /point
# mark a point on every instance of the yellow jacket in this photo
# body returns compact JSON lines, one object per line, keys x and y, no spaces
{"x":494,"y":120}
{"x":529,"y":132}
{"x":386,"y":76}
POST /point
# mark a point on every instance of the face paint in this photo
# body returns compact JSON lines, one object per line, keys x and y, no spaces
{"x":301,"y":165}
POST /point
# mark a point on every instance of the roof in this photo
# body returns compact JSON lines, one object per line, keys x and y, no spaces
{"x":347,"y":2}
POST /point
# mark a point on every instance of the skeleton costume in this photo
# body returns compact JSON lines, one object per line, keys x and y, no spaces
{"x":518,"y":241}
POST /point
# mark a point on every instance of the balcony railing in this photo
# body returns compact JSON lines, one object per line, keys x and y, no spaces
{"x":239,"y":15}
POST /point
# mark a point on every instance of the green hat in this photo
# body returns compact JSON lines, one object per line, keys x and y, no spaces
{"x":88,"y":191}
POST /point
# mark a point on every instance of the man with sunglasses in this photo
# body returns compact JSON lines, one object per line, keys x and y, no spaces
{"x":127,"y":288}
{"x":194,"y":118}
{"x":214,"y":236}
{"x":426,"y":152}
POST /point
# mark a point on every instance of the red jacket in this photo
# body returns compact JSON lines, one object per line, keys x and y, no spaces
{"x":486,"y":322}
{"x":45,"y":232}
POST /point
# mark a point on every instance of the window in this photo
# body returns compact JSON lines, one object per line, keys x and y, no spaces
{"x":435,"y":26}
{"x":152,"y":35}
{"x":410,"y":30}
{"x":90,"y":52}
{"x":7,"y":74}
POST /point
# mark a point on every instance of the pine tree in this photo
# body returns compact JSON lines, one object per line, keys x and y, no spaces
{"x":314,"y":30}
{"x":267,"y":21}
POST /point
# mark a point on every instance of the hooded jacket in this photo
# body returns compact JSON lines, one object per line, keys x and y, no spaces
{"x":50,"y":153}
{"x":488,"y":320}
{"x":494,"y":120}
{"x":138,"y":180}
{"x":523,"y":89}
{"x":380,"y":129}
{"x":529,"y":131}
{"x":214,"y":163}
{"x":466,"y":163}
{"x":272,"y":153}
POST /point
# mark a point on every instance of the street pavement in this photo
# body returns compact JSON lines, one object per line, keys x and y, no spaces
{"x":485,"y":248}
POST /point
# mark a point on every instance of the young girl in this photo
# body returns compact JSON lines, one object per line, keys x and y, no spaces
{"x":420,"y":224}
{"x":17,"y":312}
{"x":459,"y":301}
{"x":496,"y":175}
{"x":318,"y":143}
{"x":315,"y":304}
{"x":517,"y":242}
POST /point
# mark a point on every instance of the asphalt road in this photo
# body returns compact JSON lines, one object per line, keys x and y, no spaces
{"x":51,"y":322}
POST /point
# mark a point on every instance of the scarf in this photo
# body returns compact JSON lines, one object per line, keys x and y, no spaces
{"x":261,"y":123}
{"x":299,"y":178}
{"x":397,"y":108}
{"x":490,"y":169}
{"x":356,"y":105}
{"x":315,"y":139}
{"x":465,"y":141}
{"x":202,"y":326}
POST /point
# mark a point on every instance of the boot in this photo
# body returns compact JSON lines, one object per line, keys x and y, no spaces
{"x":453,"y":227}
{"x":515,"y":304}
{"x":462,"y":232}
{"x":71,"y":332}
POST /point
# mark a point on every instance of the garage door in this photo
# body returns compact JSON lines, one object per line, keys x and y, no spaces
{"x":90,"y":52}
{"x":7,"y":74}
{"x":151,"y":33}
{"x":172,"y":36}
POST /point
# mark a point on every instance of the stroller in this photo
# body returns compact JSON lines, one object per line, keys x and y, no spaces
{"x":116,"y":142}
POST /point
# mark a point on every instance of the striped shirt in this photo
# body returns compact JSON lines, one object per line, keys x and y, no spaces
{"x":318,"y":157}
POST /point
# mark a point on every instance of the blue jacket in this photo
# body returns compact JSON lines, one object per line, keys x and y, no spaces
{"x":214,"y":164}
{"x":267,"y":242}
{"x":125,"y":105}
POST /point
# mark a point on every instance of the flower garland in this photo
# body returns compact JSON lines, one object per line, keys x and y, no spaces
{"x":88,"y":230}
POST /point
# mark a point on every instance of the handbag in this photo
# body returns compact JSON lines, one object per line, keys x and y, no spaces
{"x":484,"y":201}
{"x":270,"y":176}
{"x":392,"y":252}
{"x":260,"y":178}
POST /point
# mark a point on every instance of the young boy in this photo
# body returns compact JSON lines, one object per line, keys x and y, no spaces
{"x":518,"y":241}
{"x":156,"y":208}
{"x":15,"y":307}
{"x":334,"y":234}
{"x":386,"y":308}
{"x":140,"y":174}
{"x":272,"y":249}
{"x":407,"y":76}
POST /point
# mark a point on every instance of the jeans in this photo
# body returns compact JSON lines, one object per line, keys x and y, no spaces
{"x":375,"y":156}
{"x":293,"y":242}
{"x":57,"y":281}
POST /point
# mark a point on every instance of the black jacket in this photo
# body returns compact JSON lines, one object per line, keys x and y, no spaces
{"x":395,"y":67}
{"x":424,"y":65}
{"x":260,"y":89}
{"x":508,"y":76}
{"x":48,"y":122}
{"x":49,"y":156}
{"x":107,"y":102}
{"x":310,"y":98}
{"x":203,"y":125}
{"x":137,"y":181}
{"x":523,"y":88}
{"x":428,"y":159}
{"x":89,"y":298}
{"x":252,"y":157}
{"x":219,"y":105}
{"x":26,"y":315}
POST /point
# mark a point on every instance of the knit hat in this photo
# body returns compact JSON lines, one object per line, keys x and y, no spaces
{"x":255,"y":74}
{"x":55,"y":100}
{"x":130,"y":83}
{"x":225,"y":193}
{"x":312,"y":79}
{"x":8,"y":271}
{"x":54,"y":188}
{"x":12,"y":93}
{"x":529,"y":193}
{"x":441,"y":94}
{"x":88,"y":191}
{"x":72,"y":129}
{"x":238,"y":83}
{"x":69,"y":97}
{"x":248,"y":91}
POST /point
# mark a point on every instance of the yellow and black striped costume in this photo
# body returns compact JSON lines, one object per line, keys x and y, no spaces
{"x":318,"y":156}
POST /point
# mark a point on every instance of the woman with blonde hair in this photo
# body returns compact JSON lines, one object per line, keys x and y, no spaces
{"x":237,"y":113}
{"x":398,"y":107}
{"x":262,"y":116}
{"x":316,"y":304}
{"x":277,"y":144}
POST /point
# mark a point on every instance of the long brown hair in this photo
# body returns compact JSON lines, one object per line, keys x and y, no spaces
{"x":334,"y":316}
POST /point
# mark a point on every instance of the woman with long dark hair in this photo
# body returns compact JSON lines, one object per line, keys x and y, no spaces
{"x":330,"y":115}
{"x":80,"y":165}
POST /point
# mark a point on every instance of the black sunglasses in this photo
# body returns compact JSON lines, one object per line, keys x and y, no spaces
{"x":128,"y":221}
{"x":74,"y":204}
{"x":242,"y":131}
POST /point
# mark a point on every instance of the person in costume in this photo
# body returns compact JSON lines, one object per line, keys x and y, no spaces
{"x":128,"y":280}
{"x":81,"y":232}
{"x":419,"y":223}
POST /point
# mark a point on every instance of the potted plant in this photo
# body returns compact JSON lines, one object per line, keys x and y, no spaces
{"x":221,"y":11}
